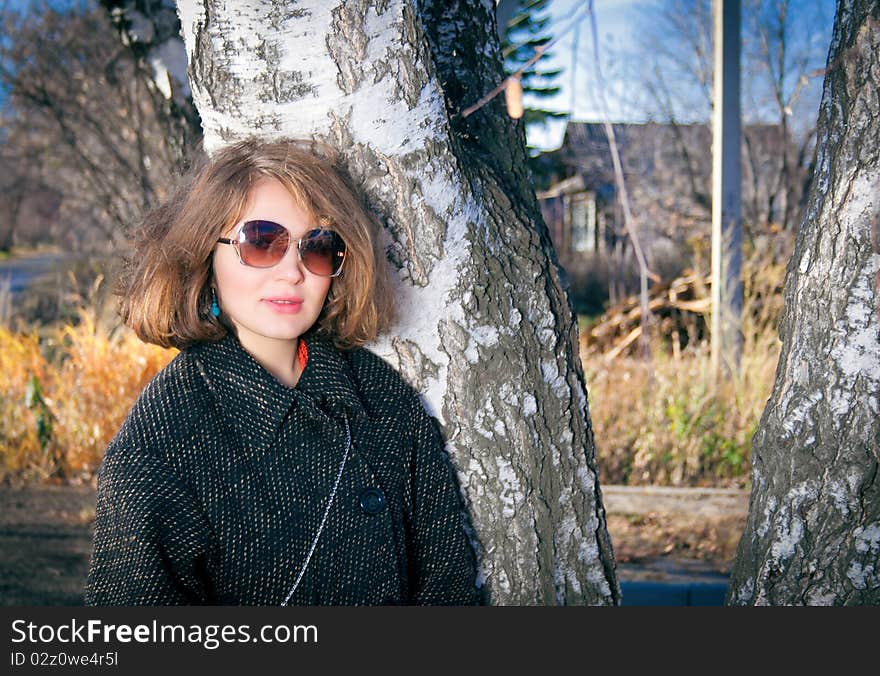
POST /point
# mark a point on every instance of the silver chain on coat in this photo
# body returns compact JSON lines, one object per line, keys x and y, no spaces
{"x":326,"y":512}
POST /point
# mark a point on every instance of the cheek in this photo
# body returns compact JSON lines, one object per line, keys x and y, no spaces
{"x":226,"y":275}
{"x":324,"y":288}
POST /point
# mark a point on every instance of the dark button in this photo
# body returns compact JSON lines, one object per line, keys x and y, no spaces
{"x":372,"y":500}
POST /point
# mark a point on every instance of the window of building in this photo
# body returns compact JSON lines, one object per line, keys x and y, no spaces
{"x":583,"y":222}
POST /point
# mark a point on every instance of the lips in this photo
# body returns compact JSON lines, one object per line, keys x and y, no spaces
{"x":284,"y":305}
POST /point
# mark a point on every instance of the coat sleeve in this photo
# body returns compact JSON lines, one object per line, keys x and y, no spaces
{"x":442,"y":560}
{"x":151,"y":538}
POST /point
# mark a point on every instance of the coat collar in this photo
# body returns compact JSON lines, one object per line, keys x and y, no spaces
{"x":258,"y":403}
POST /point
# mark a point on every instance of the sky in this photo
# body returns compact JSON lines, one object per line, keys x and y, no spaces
{"x":617,"y":24}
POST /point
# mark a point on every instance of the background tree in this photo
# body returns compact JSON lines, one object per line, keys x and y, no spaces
{"x":95,"y":129}
{"x":486,"y":331}
{"x":783,"y":45}
{"x":813,"y":531}
{"x":523,"y":25}
{"x":524,"y":33}
{"x":28,"y":203}
{"x":150,"y":30}
{"x":85,"y":119}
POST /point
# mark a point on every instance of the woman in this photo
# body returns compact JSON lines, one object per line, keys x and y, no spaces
{"x":274,"y":460}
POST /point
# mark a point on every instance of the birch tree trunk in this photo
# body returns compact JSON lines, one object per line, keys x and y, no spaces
{"x":813,"y":531}
{"x":486,"y":331}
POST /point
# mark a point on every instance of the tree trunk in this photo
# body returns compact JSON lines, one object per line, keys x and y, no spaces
{"x":486,"y":331}
{"x":10,"y":204}
{"x":813,"y":532}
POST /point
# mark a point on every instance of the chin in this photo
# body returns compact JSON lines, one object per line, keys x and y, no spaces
{"x":275,"y":330}
{"x":286,"y":334}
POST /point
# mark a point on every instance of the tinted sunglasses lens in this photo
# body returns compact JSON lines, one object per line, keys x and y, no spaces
{"x":322,"y":252}
{"x":263,"y":243}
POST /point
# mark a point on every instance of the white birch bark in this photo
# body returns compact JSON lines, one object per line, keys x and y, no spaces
{"x":486,"y":332}
{"x":813,"y":532}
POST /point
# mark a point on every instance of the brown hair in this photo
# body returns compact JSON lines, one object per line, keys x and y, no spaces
{"x":165,"y":288}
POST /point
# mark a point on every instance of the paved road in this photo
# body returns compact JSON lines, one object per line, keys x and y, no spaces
{"x":45,"y":544}
{"x":21,"y":271}
{"x":704,"y":502}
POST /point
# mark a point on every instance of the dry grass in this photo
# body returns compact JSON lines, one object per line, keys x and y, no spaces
{"x":667,"y":422}
{"x":64,"y":395}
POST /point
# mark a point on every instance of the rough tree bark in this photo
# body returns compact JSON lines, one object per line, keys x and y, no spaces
{"x":813,"y":532}
{"x":486,"y":332}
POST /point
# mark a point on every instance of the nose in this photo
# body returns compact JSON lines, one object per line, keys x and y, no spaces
{"x":290,"y":267}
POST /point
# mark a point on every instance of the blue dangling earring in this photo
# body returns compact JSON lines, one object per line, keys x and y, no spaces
{"x":215,"y":308}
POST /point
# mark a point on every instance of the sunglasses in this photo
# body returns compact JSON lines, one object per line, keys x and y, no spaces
{"x":262,"y":244}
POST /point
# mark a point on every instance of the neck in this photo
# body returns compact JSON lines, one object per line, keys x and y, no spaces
{"x":278,"y":357}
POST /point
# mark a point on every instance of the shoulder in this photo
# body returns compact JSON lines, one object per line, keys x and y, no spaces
{"x":179,"y":381}
{"x":172,"y":404}
{"x":385,"y":391}
{"x":377,"y":380}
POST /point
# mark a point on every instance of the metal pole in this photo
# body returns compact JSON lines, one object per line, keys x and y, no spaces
{"x":726,"y":194}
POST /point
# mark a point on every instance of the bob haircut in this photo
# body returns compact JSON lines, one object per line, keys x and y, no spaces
{"x":165,"y":286}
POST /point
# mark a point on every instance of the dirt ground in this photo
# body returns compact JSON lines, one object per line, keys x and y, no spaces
{"x":46,"y":537}
{"x":674,"y":548}
{"x":45,"y":544}
{"x":674,"y":534}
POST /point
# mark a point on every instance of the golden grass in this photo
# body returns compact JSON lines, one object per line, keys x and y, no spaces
{"x":666,"y":422}
{"x":657,"y":423}
{"x":64,"y":396}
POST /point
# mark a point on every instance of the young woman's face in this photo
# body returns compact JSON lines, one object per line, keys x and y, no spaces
{"x":279,"y":303}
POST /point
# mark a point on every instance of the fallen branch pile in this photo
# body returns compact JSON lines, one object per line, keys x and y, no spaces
{"x":679,"y":309}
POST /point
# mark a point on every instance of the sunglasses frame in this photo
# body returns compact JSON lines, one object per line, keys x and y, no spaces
{"x":236,"y":244}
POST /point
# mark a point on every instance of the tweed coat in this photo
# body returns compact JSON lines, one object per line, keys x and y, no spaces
{"x":214,"y":487}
